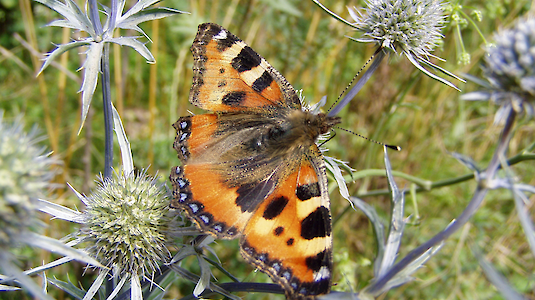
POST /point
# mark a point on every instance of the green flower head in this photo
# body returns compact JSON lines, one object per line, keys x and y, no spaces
{"x":25,"y":174}
{"x":127,"y":222}
{"x":411,"y":26}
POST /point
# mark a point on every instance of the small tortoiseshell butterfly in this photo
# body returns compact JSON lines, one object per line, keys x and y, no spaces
{"x":251,"y":167}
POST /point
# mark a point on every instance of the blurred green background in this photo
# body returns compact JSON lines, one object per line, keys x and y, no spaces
{"x":399,"y":106}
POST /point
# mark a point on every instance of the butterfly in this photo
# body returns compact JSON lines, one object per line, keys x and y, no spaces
{"x":251,"y":168}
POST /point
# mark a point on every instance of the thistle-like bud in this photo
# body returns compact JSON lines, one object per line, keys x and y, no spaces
{"x":510,"y":66}
{"x":25,"y":174}
{"x":127,"y":222}
{"x":412,"y":26}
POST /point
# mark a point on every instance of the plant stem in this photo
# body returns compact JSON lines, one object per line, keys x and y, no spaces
{"x":93,"y":16}
{"x":471,"y":208}
{"x":108,"y":113}
{"x":379,"y":55}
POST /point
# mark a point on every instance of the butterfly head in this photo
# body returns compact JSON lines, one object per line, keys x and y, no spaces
{"x":309,"y":126}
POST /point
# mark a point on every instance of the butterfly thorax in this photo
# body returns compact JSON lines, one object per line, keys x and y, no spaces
{"x":250,"y":144}
{"x":302,"y":128}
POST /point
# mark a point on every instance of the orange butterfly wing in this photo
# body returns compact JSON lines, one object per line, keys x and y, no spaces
{"x":251,"y":168}
{"x":289,"y":236}
{"x":230,"y":76}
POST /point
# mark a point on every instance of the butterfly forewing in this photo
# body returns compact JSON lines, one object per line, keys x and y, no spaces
{"x":228,"y":75}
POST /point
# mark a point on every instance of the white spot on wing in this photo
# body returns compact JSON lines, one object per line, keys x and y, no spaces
{"x":322,"y":274}
{"x":221,"y":35}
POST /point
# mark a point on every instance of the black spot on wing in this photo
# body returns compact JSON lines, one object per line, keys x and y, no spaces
{"x":308,"y":191}
{"x":319,"y":287}
{"x":209,"y":30}
{"x":250,"y":195}
{"x":246,"y":60}
{"x":233,"y":98}
{"x":224,"y":44}
{"x":275,"y":207}
{"x":290,"y":241}
{"x":279,"y":230}
{"x":316,"y":224}
{"x":223,"y":37}
{"x":262,"y":82}
{"x":315,"y":262}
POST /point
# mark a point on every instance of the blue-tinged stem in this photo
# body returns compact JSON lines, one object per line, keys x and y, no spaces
{"x":358,"y":86}
{"x":113,"y":16}
{"x":468,"y":212}
{"x":93,"y":16}
{"x":108,"y":112}
{"x":106,"y":98}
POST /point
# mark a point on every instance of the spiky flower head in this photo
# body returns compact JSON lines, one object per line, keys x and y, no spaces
{"x":127,"y":222}
{"x":412,"y":26}
{"x":510,"y":67}
{"x":25,"y":174}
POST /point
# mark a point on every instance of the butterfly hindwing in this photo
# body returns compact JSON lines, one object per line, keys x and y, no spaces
{"x":296,"y":221}
{"x":228,"y":75}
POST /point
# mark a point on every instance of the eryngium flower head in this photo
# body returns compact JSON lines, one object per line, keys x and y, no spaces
{"x":510,"y":65}
{"x":25,"y":173}
{"x":509,"y":68}
{"x":127,"y":223}
{"x":410,"y":25}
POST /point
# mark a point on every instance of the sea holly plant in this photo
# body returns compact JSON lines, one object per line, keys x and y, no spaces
{"x":509,"y":81}
{"x":126,"y":225}
{"x":509,"y":71}
{"x":97,"y":43}
{"x":26,"y":171}
{"x":407,"y":27}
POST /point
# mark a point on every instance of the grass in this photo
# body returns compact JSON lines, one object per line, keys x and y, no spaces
{"x":397,"y":106}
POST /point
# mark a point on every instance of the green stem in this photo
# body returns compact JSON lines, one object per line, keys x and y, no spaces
{"x":426,"y":185}
{"x":377,"y":286}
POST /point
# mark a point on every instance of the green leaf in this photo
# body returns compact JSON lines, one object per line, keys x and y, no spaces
{"x":204,"y":281}
{"x":56,"y":246}
{"x":333,"y":167}
{"x":60,"y":50}
{"x":131,"y":41}
{"x":497,"y":279}
{"x":426,"y":72}
{"x":96,"y":285}
{"x":139,"y":6}
{"x":91,"y":70}
{"x":378,"y":228}
{"x":68,"y":287}
{"x":7,"y":288}
{"x":50,"y":265}
{"x":124,"y":145}
{"x":397,"y":224}
{"x":74,"y":16}
{"x":60,"y":211}
{"x":135,"y":288}
{"x":25,"y":281}
{"x":132,"y":21}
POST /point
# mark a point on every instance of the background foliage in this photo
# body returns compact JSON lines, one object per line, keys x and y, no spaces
{"x":397,"y":106}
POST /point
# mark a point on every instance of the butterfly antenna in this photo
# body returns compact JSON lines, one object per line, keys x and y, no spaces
{"x":355,"y":77}
{"x":394,"y":147}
